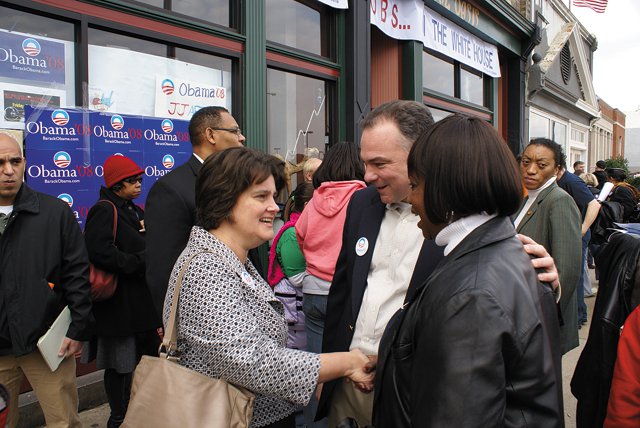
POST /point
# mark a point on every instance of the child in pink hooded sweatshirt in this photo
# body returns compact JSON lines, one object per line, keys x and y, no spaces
{"x":319,"y":233}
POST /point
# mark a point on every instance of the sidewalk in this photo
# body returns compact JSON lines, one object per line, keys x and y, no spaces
{"x":97,"y":416}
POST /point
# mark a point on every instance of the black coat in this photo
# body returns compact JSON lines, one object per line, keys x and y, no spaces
{"x":475,"y":344}
{"x":41,"y":246}
{"x":624,"y":197}
{"x":618,"y":295}
{"x":170,"y":215}
{"x":602,"y":178}
{"x":130,"y":310}
{"x":364,"y":216}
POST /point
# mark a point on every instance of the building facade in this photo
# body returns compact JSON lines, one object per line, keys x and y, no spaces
{"x":561,"y":100}
{"x":601,"y":138}
{"x":609,"y":140}
{"x":469,"y":57}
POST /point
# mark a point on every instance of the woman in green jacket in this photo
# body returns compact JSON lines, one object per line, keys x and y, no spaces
{"x":551,"y":218}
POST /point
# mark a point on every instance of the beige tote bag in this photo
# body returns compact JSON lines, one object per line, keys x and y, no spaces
{"x":165,"y":394}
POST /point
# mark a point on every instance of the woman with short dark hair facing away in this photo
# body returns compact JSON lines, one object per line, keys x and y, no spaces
{"x":472,"y":344}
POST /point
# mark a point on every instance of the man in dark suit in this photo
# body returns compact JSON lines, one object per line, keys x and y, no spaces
{"x":383,"y":256}
{"x":170,"y":206}
{"x":381,"y":246}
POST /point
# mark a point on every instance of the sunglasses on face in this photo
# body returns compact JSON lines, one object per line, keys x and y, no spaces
{"x":133,"y":180}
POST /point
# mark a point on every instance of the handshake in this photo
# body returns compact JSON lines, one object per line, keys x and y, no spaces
{"x":363,"y":370}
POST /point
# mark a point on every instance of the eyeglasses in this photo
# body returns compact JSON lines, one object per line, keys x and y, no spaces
{"x":133,"y":180}
{"x":235,"y":130}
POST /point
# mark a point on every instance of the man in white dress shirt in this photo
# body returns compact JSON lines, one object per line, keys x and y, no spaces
{"x":383,"y":252}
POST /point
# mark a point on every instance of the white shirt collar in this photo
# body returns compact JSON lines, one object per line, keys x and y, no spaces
{"x":454,"y":233}
{"x":533,"y":194}
{"x":531,"y":198}
{"x":400,"y":207}
{"x":199,"y":158}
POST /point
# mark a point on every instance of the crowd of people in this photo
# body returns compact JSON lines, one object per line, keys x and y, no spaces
{"x":423,"y":277}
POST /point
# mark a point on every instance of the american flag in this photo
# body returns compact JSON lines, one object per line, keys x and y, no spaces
{"x":596,"y":5}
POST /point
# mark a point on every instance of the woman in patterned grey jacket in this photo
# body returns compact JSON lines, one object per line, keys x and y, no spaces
{"x":230,"y":325}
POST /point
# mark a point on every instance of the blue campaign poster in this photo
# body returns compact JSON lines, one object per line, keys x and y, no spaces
{"x":166,"y":146}
{"x":31,"y":58}
{"x":56,"y":167}
{"x":56,"y":128}
{"x":66,"y":150}
{"x":116,"y":133}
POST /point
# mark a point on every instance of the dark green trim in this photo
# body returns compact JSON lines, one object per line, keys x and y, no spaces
{"x":255,"y":75}
{"x":494,"y":100}
{"x":457,"y":101}
{"x":169,"y":17}
{"x":341,"y":86}
{"x":412,"y":70}
{"x":301,"y":55}
{"x":511,"y":16}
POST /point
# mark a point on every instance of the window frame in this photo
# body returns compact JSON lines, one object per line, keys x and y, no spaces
{"x":455,"y":104}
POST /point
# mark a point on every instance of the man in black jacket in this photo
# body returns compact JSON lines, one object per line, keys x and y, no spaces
{"x":43,"y":268}
{"x":170,"y":210}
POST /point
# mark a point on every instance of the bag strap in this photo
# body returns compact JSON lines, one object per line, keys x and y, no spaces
{"x":115,"y":217}
{"x":170,"y":340}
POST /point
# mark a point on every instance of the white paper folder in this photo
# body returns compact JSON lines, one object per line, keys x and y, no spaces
{"x":50,"y":342}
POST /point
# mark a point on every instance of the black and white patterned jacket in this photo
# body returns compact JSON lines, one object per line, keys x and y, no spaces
{"x":231,"y":326}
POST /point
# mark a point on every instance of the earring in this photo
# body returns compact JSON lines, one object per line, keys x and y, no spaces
{"x":449,"y":217}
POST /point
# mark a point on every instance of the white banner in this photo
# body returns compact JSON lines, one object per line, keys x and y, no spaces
{"x":338,"y":4}
{"x":399,"y":19}
{"x":411,"y":20}
{"x":446,"y":37}
{"x":179,"y":99}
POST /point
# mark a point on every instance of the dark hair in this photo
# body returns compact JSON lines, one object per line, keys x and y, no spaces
{"x":298,"y":198}
{"x":467,"y":168}
{"x":203,"y":118}
{"x":341,"y":163}
{"x":225,"y":175}
{"x":576,"y":163}
{"x":411,"y":117}
{"x":558,"y":153}
{"x":617,"y":174}
{"x":601,"y":164}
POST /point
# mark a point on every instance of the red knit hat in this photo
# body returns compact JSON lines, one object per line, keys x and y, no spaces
{"x":119,"y":167}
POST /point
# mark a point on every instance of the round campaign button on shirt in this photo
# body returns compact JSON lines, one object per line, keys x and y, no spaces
{"x":362,"y":246}
{"x":246,"y":278}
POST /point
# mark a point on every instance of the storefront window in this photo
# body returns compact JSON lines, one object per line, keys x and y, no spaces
{"x":215,"y":11}
{"x":471,"y":86}
{"x":546,"y":127}
{"x":37,"y":65}
{"x":296,"y":115}
{"x":560,"y":134}
{"x":538,"y":126}
{"x":437,"y":74}
{"x":297,"y":25}
{"x":438,"y":114}
{"x":141,"y":80}
{"x":444,"y":76}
